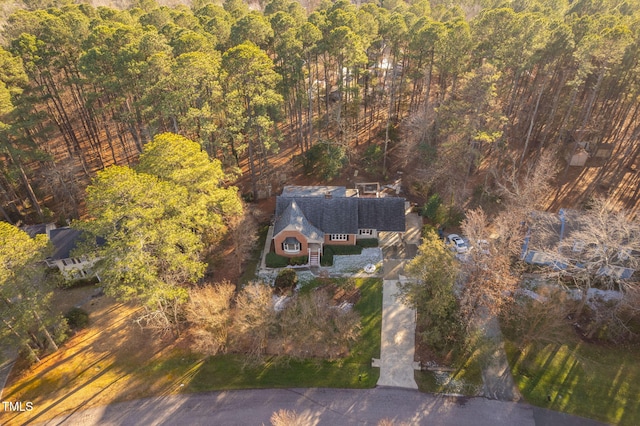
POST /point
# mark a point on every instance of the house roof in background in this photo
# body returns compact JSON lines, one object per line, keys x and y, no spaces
{"x":64,"y":240}
{"x":34,"y":230}
{"x":295,"y":191}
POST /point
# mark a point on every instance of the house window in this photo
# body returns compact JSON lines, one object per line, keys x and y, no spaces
{"x":291,"y":245}
{"x":365,"y":232}
{"x":339,"y":237}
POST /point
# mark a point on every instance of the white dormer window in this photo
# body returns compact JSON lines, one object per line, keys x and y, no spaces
{"x":365,"y":232}
{"x":339,"y":237}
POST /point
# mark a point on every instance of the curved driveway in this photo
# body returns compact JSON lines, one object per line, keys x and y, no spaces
{"x":318,"y":407}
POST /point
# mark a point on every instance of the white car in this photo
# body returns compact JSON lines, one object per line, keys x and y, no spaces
{"x":457,"y":243}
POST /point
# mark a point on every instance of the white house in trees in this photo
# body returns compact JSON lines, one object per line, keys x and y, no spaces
{"x":64,"y":241}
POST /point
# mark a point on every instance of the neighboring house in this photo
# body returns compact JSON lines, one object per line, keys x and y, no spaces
{"x":64,"y":241}
{"x":554,"y":240}
{"x":309,"y":217}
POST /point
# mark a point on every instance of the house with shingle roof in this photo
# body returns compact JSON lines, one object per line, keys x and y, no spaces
{"x":554,"y":240}
{"x":310,"y":217}
{"x":64,"y":241}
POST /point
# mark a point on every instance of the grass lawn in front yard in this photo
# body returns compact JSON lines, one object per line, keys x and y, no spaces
{"x":114,"y":360}
{"x":465,"y":379}
{"x":590,"y":380}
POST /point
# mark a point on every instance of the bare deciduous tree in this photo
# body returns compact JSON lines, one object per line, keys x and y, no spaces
{"x":254,"y":319}
{"x":596,"y":247}
{"x":542,"y":320}
{"x":312,"y":326}
{"x":284,"y":417}
{"x":209,"y":312}
{"x":524,"y":191}
{"x":62,"y":179}
{"x":391,"y":422}
{"x":488,"y":279}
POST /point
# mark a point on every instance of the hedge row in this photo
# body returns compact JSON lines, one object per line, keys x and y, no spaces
{"x":330,"y":251}
{"x":276,"y":261}
{"x":367,"y":242}
{"x":342,"y":250}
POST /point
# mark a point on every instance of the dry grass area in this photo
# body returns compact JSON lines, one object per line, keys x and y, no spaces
{"x":106,"y":362}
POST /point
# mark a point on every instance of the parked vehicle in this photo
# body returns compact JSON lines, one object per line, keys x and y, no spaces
{"x":457,"y":243}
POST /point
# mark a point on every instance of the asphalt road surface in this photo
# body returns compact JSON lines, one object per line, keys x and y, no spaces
{"x":319,"y":407}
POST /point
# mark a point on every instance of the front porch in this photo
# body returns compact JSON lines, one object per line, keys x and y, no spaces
{"x":315,"y":252}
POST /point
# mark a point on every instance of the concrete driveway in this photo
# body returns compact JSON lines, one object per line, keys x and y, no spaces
{"x":397,"y":350}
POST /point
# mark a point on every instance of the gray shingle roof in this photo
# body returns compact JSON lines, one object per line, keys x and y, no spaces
{"x":291,"y":214}
{"x":33,"y":230}
{"x":295,"y":191}
{"x":383,"y":214}
{"x":343,"y":215}
{"x":64,"y":240}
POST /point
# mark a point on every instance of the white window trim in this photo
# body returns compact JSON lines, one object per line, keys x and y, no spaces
{"x":339,"y":237}
{"x":367,"y":232}
{"x":288,"y":250}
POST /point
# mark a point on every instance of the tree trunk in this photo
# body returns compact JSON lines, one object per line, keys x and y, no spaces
{"x":310,"y":116}
{"x":533,"y":118}
{"x":45,"y":331}
{"x":27,"y":185}
{"x":20,"y":339}
{"x":389,"y":115}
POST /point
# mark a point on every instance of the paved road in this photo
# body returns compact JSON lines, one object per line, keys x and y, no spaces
{"x":333,"y":407}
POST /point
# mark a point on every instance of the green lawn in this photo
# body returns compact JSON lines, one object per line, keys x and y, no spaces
{"x":465,"y":380}
{"x":589,"y":380}
{"x":229,"y":371}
